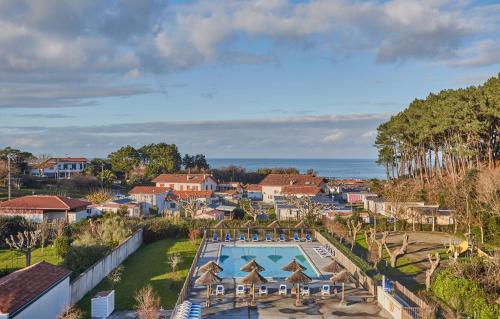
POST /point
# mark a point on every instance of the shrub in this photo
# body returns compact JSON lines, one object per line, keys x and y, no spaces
{"x":11,"y":226}
{"x":62,"y":244}
{"x":159,"y":228}
{"x":79,"y":258}
{"x":113,"y":231}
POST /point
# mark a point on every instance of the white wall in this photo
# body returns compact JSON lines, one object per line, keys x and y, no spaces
{"x":50,"y":305}
{"x":268,"y":193}
{"x":386,"y":301}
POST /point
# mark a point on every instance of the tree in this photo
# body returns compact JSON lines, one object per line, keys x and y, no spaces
{"x":99,"y":197}
{"x":191,"y":206}
{"x":430,"y":271}
{"x":147,"y":303}
{"x":354,"y":229}
{"x":398,"y":252}
{"x":488,"y":195}
{"x":106,"y":177}
{"x":188,"y":161}
{"x":24,"y":243}
{"x":160,"y":158}
{"x":124,"y":160}
{"x":115,"y":276}
{"x":307,"y":209}
{"x":96,"y":166}
{"x":252,"y":209}
{"x":71,"y":312}
{"x":175,"y":260}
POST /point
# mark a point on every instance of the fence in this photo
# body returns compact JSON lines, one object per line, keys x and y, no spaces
{"x":183,"y":294}
{"x":417,"y":308}
{"x":367,"y":282}
{"x":86,"y":281}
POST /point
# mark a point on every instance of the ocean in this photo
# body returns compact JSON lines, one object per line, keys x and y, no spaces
{"x":335,"y":168}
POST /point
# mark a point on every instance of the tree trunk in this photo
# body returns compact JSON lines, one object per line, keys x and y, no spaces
{"x":27,"y":254}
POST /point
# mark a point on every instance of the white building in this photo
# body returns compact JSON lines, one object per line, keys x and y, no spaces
{"x":254,"y":192}
{"x":61,"y":167}
{"x":186,"y":182}
{"x":133,"y":209}
{"x":38,"y":208}
{"x":148,"y":197}
{"x":274,"y":184}
{"x":40,"y":291}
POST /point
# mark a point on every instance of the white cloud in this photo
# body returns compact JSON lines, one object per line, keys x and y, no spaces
{"x":333,"y":137}
{"x":369,"y":134}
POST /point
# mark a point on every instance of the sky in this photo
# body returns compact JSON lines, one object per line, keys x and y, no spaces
{"x":230,"y":79}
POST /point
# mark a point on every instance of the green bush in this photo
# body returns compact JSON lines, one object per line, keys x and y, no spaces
{"x":62,"y":244}
{"x":465,"y":296}
{"x":160,"y":228}
{"x":11,"y":226}
{"x":79,"y":258}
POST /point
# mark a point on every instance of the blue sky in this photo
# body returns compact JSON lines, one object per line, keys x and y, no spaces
{"x":269,"y":78}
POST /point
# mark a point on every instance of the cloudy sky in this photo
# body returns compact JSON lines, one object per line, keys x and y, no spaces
{"x":266,"y":78}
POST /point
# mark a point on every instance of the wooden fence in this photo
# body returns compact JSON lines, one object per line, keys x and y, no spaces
{"x":417,"y":308}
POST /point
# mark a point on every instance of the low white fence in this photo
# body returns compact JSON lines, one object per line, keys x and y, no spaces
{"x":86,"y":281}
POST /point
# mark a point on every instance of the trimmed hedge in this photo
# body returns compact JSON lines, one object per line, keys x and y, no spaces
{"x":464,"y":295}
{"x":160,"y":228}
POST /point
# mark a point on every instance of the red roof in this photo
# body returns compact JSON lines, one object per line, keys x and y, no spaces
{"x":44,"y":202}
{"x":307,"y":190}
{"x":195,"y":194}
{"x":182,"y":178}
{"x":71,"y":159}
{"x":254,"y":188}
{"x":291,"y":179}
{"x":24,"y":286}
{"x":148,"y":190}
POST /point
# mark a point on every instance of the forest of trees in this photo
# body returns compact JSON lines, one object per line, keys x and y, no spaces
{"x":445,"y":134}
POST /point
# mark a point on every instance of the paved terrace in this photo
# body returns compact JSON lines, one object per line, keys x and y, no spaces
{"x":360,"y":304}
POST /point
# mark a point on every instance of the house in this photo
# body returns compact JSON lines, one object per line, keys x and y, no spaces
{"x":206,"y":196}
{"x":187,"y":182}
{"x":209,"y":213}
{"x":228,"y":186}
{"x":273,"y":184}
{"x":374,"y":204}
{"x":39,"y":208}
{"x":39,"y":291}
{"x":133,"y":208}
{"x":149,"y":197}
{"x":286,"y":211}
{"x":428,"y":214}
{"x":254,"y":192}
{"x":60,"y":167}
{"x":300,"y":191}
{"x":357,"y":197}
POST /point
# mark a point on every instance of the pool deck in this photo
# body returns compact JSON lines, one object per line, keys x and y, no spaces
{"x":359,"y":302}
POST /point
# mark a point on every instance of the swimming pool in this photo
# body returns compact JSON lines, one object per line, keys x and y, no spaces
{"x":272,"y":258}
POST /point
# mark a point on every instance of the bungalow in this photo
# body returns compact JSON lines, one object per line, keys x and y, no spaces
{"x":227,"y":186}
{"x":273,"y":184}
{"x":201,"y":196}
{"x":209,"y":213}
{"x":60,"y":167}
{"x":357,"y":197}
{"x":149,"y":197}
{"x":39,"y":291}
{"x":187,"y":182}
{"x":254,"y":192}
{"x":133,"y":208}
{"x":39,"y":208}
{"x":374,"y":204}
{"x":428,"y":214}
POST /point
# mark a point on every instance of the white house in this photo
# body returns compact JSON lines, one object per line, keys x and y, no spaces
{"x":357,"y":197}
{"x":38,"y":208}
{"x":254,"y":192}
{"x":40,"y":291}
{"x":61,"y":167}
{"x":133,"y":209}
{"x":187,"y":182}
{"x":150,"y":196}
{"x":274,"y":184}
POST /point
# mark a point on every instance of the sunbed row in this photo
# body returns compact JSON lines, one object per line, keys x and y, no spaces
{"x":269,"y":238}
{"x":283,"y":290}
{"x":188,"y":310}
{"x":322,"y":252}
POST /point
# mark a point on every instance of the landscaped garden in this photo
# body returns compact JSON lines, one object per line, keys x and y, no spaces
{"x":150,"y":264}
{"x":13,"y":260}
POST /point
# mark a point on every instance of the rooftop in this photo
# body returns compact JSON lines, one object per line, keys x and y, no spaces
{"x":148,"y":190}
{"x":182,"y":178}
{"x":291,"y":179}
{"x":44,"y":202}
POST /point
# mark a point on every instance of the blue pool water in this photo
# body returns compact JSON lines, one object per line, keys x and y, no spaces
{"x":271,"y":258}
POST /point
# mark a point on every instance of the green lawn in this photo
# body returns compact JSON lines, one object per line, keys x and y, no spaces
{"x":65,"y":191}
{"x":13,"y":260}
{"x":149,"y":265}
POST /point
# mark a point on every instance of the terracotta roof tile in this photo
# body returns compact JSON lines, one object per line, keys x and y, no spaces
{"x":195,"y":194}
{"x":44,"y":202}
{"x":182,"y":178}
{"x":148,"y":190}
{"x":254,"y":188}
{"x":20,"y":288}
{"x":308,"y":190}
{"x":289,"y":179}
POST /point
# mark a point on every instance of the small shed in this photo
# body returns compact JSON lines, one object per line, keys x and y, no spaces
{"x":103,"y":304}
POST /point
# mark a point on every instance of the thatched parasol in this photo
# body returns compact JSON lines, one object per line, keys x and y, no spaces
{"x":251,"y":265}
{"x":254,"y":278}
{"x":220,"y":225}
{"x":248,"y":224}
{"x":211,"y":265}
{"x":301,"y":225}
{"x":298,"y":277}
{"x":333,"y":267}
{"x":274,"y":225}
{"x":208,"y":279}
{"x":342,"y":276}
{"x":293,"y":266}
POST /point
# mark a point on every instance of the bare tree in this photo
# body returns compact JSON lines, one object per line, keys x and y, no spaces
{"x":191,"y":205}
{"x":252,"y":209}
{"x":354,"y":229}
{"x":44,"y":228}
{"x":306,"y":207}
{"x":398,"y":252}
{"x":147,"y":303}
{"x":488,"y":190}
{"x":24,"y":243}
{"x":369,"y":238}
{"x":175,"y":260}
{"x":71,"y":312}
{"x":380,"y":243}
{"x":115,"y":276}
{"x":337,"y":229}
{"x":429,"y":272}
{"x":193,"y":235}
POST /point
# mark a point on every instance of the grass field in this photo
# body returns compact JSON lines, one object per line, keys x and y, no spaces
{"x":13,"y":260}
{"x":149,"y":265}
{"x":70,"y":192}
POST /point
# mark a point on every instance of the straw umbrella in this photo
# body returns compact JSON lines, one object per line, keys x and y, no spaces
{"x":251,"y":265}
{"x":211,"y":265}
{"x":274,"y":225}
{"x":220,"y":225}
{"x":301,"y":225}
{"x":247,"y":225}
{"x":333,"y":267}
{"x":254,"y":278}
{"x":293,"y":266}
{"x":298,"y":277}
{"x":343,"y":276}
{"x":208,"y":279}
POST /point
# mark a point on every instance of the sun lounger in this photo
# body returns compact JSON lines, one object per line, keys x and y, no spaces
{"x":325,"y":290}
{"x":282,"y":237}
{"x":323,"y":253}
{"x":255,"y":237}
{"x":219,"y":290}
{"x":240,"y":290}
{"x":242,"y":237}
{"x":308,"y":237}
{"x":215,"y":238}
{"x":305,"y":291}
{"x":296,"y":237}
{"x":262,"y":290}
{"x":269,"y":237}
{"x":228,"y":237}
{"x":282,"y":291}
